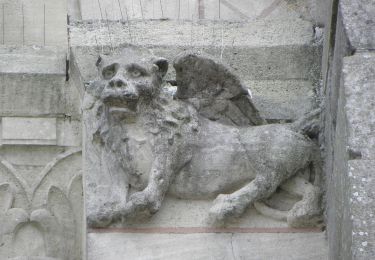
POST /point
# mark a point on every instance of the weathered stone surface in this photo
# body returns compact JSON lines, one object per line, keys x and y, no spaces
{"x":270,"y":49}
{"x":32,"y":60}
{"x":40,"y":131}
{"x":349,"y":126}
{"x":35,"y":22}
{"x":177,"y":213}
{"x":40,"y":205}
{"x":359,"y":82}
{"x":213,"y":90}
{"x":152,"y":144}
{"x":233,"y":10}
{"x":40,"y":163}
{"x":21,"y":130}
{"x":355,"y":152}
{"x":359,"y":20}
{"x":335,"y":132}
{"x":33,"y":83}
{"x":362,"y":208}
{"x":279,"y":100}
{"x":276,"y":99}
{"x":69,"y":132}
{"x":255,"y":246}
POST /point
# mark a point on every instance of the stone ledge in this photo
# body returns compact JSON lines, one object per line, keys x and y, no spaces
{"x":204,"y":230}
{"x":302,"y":246}
{"x":32,"y":60}
{"x":40,"y":131}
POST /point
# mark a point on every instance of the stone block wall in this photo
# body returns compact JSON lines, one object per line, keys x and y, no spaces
{"x":348,"y":73}
{"x":35,"y":22}
{"x":41,"y":204}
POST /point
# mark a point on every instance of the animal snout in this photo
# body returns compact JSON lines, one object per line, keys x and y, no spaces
{"x":117,"y":82}
{"x":129,"y":95}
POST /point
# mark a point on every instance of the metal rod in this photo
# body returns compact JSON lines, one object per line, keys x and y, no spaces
{"x":179,"y":9}
{"x":119,"y":5}
{"x":100,"y":8}
{"x":126,"y":12}
{"x":3,"y":24}
{"x":191,"y":32}
{"x":127,"y":18}
{"x":140,"y":4}
{"x":153,"y":9}
{"x":133,"y":8}
{"x":188,"y":15}
{"x":222,"y":42}
{"x":44,"y":25}
{"x":23,"y":27}
{"x":201,"y":11}
{"x":109,"y":32}
{"x":219,"y":9}
{"x":161,"y":8}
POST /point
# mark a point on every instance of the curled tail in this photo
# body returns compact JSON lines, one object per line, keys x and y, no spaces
{"x":309,"y":124}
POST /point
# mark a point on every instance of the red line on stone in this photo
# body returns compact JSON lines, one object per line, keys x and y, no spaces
{"x":195,"y":230}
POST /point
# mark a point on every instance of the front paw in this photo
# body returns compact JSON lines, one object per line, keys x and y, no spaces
{"x":99,"y":220}
{"x":140,"y":206}
{"x":224,"y":208}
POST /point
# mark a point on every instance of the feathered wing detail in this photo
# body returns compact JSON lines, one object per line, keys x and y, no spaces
{"x":214,"y":90}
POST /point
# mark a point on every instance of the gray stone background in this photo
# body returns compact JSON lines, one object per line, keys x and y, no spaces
{"x":277,"y":54}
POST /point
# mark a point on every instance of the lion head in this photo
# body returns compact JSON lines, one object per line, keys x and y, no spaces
{"x":129,"y":77}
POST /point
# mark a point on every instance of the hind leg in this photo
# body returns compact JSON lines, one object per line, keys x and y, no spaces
{"x":234,"y":204}
{"x":305,"y":213}
{"x":308,"y":211}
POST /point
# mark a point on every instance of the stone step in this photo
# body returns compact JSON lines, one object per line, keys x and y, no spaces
{"x":33,"y":82}
{"x":259,"y":50}
{"x":282,"y":100}
{"x":276,"y":100}
{"x":226,"y":246}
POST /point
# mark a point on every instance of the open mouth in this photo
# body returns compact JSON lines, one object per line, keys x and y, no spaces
{"x":122,"y":113}
{"x":121,"y":101}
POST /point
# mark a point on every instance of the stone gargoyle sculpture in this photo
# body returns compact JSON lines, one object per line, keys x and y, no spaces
{"x":206,"y":141}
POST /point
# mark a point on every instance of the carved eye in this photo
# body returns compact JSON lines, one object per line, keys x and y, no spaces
{"x":135,"y":73}
{"x":110,"y":71}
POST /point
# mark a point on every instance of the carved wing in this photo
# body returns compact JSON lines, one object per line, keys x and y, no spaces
{"x":214,"y":90}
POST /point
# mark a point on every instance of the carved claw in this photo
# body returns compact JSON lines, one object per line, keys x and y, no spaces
{"x":224,"y":207}
{"x":306,"y":212}
{"x":141,"y":205}
{"x":102,"y":218}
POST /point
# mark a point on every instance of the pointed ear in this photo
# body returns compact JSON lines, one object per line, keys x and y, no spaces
{"x":162,"y":66}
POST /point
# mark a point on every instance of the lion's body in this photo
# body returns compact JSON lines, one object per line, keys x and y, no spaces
{"x":157,"y":145}
{"x":227,"y":158}
{"x":215,"y":158}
